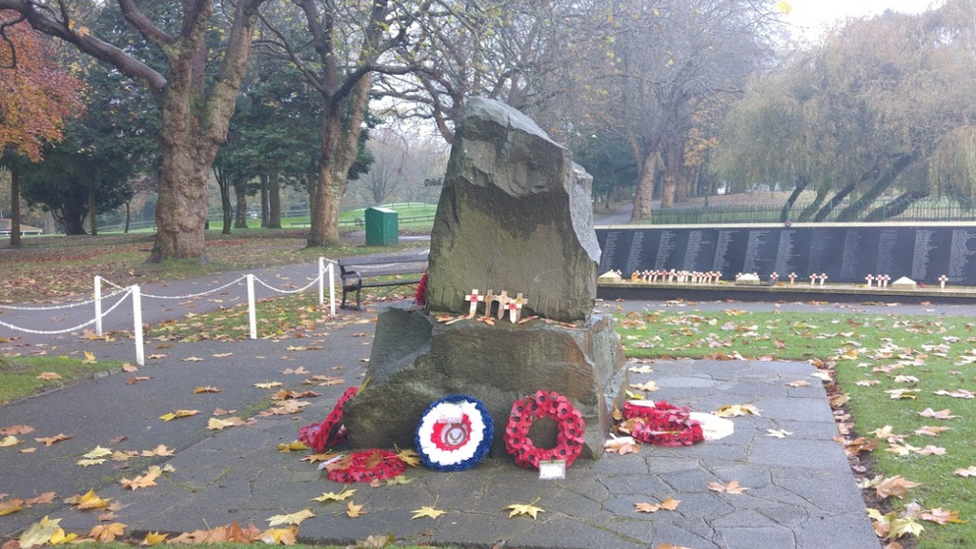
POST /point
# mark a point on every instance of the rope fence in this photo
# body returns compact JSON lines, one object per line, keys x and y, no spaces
{"x":325,"y":277}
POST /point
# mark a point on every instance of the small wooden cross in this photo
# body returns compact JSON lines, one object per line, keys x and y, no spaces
{"x":813,"y":278}
{"x":515,"y":308}
{"x":474,"y":299}
{"x":503,"y":300}
{"x":942,"y":280}
{"x":792,"y":278}
{"x":774,"y":278}
{"x":869,"y":279}
{"x":489,"y":299}
{"x":823,"y":278}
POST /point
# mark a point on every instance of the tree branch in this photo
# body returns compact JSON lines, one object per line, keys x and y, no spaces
{"x":153,"y":34}
{"x":42,"y":19}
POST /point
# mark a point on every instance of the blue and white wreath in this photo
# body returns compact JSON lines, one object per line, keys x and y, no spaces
{"x":454,"y":433}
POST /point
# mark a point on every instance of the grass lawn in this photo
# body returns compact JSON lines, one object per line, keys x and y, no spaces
{"x":891,"y":368}
{"x":25,"y":376}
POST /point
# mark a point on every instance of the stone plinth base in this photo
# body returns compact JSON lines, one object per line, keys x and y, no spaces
{"x":416,"y":360}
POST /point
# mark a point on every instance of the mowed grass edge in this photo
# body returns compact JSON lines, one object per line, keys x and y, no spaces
{"x":892,"y":367}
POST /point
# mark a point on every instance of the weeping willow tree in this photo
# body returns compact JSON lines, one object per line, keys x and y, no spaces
{"x":952,"y":169}
{"x":866,"y":115}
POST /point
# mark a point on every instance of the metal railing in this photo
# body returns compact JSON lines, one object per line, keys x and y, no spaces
{"x":923,"y":210}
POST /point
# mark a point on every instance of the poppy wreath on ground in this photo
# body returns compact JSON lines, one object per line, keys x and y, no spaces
{"x":569,"y":430}
{"x":663,"y":424}
{"x":331,"y":432}
{"x":454,"y":433}
{"x":420,"y":296}
{"x":366,"y":466}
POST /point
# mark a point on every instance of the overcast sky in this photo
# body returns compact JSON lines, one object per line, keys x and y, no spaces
{"x":812,"y":15}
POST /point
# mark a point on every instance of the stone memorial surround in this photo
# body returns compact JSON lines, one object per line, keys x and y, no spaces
{"x":514,"y":216}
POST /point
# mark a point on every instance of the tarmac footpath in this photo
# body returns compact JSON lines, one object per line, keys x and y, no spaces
{"x":801,"y":492}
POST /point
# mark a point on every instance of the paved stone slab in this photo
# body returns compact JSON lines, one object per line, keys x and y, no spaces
{"x":802,"y":492}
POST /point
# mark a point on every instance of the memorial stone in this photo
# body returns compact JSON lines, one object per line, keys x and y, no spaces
{"x":510,"y":189}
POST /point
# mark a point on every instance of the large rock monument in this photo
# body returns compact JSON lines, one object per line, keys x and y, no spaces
{"x":514,"y":216}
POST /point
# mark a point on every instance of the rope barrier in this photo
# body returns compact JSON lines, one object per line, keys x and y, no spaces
{"x":60,"y":307}
{"x":137,"y":296}
{"x":127,"y":291}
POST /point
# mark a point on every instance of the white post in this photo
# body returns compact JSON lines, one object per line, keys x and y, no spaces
{"x":332,"y":288}
{"x":137,"y":325}
{"x":98,"y":306}
{"x":251,"y":311}
{"x":321,"y":281}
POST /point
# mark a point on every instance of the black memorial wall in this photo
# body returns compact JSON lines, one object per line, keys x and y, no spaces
{"x":843,"y":253}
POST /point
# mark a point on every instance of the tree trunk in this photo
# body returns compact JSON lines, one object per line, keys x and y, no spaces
{"x":853,"y":211}
{"x":834,"y":201}
{"x":92,"y":218}
{"x":644,"y":193}
{"x":672,"y":169}
{"x":240,"y":192}
{"x":181,"y":209}
{"x":274,"y":200}
{"x":226,"y":210}
{"x":814,"y":206}
{"x":128,"y":215}
{"x":896,"y":206}
{"x":784,"y":215}
{"x":264,"y":200}
{"x":73,"y":219}
{"x":340,"y":143}
{"x":15,"y":241}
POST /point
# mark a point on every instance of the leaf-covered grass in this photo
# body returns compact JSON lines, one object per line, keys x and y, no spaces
{"x":294,"y":316}
{"x":18,"y":375}
{"x":870,"y":354}
{"x":55,"y":268}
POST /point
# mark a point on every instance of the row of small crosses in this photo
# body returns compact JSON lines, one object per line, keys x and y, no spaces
{"x":882,"y":280}
{"x":505,"y":303}
{"x":694,"y":277}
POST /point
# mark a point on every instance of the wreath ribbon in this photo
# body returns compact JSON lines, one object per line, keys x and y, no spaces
{"x":331,"y":432}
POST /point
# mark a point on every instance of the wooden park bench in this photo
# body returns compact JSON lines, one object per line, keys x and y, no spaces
{"x":378,"y":271}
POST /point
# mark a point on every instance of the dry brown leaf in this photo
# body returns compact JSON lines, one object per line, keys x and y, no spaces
{"x":46,"y":497}
{"x":926,"y":430}
{"x":16,"y":430}
{"x":355,"y":511}
{"x":295,"y":518}
{"x":178,"y":414}
{"x":47,"y":441}
{"x":941,"y":414}
{"x":216,"y":424}
{"x":207,"y":389}
{"x":161,"y":451}
{"x":279,"y":536}
{"x":527,"y":509}
{"x":896,"y":486}
{"x":734,"y":410}
{"x":622,"y":445}
{"x":967,"y":472}
{"x":106,"y":533}
{"x":731,"y":487}
{"x":942,"y":516}
{"x":49,"y":376}
{"x":143,"y":481}
{"x":154,"y":538}
{"x":11,"y":506}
